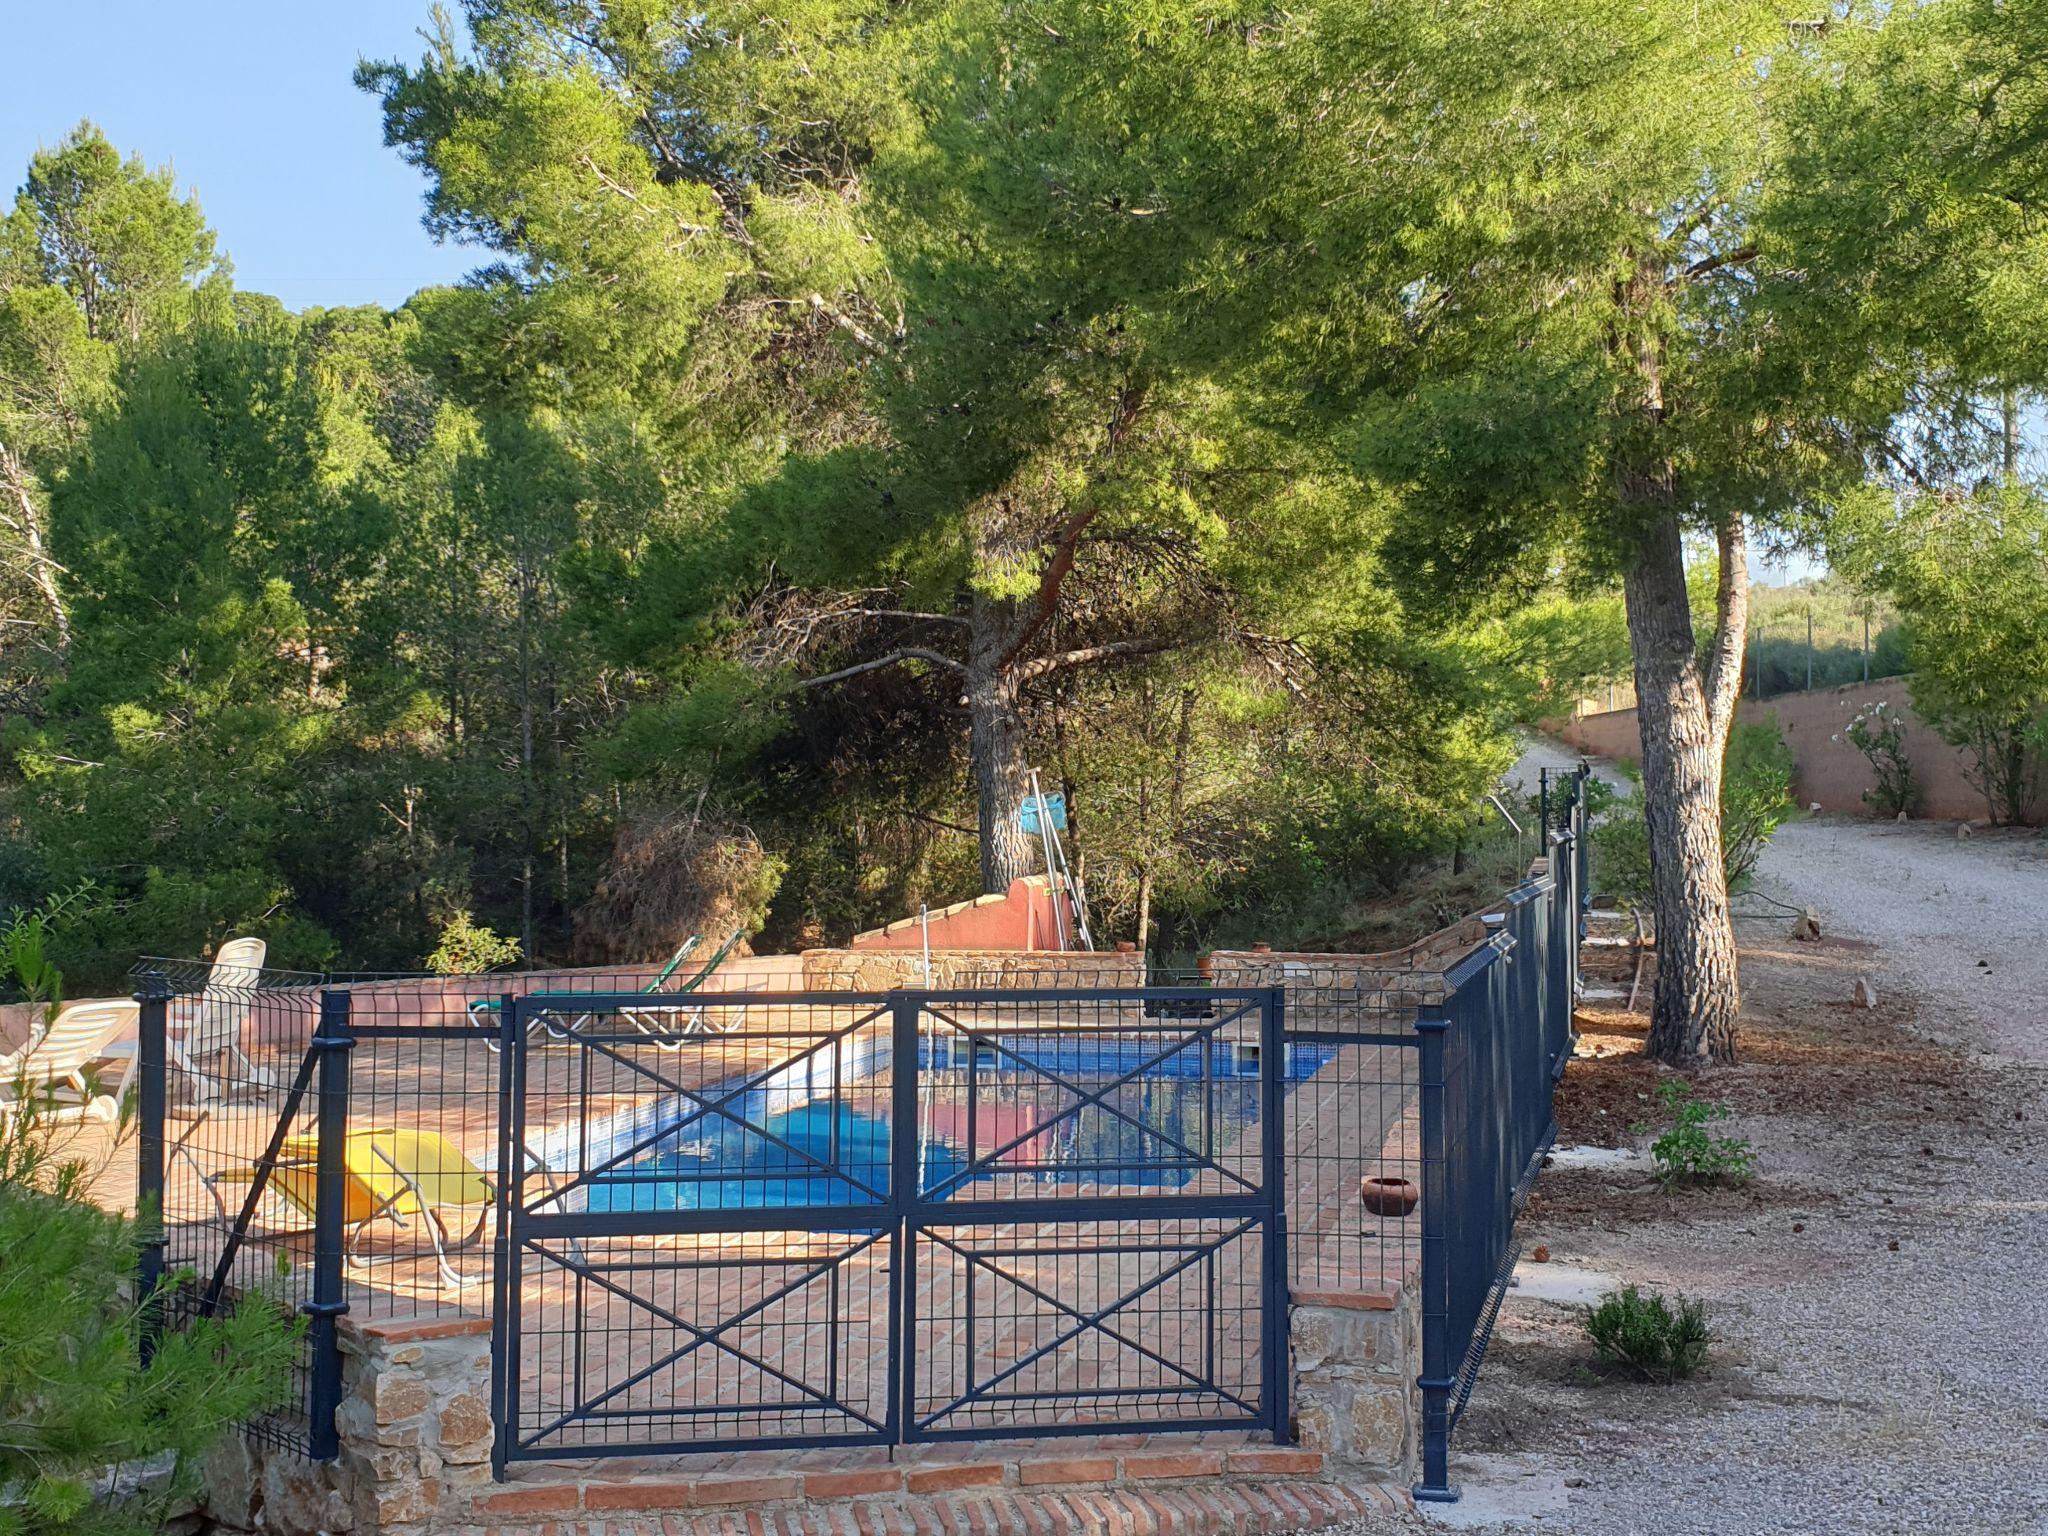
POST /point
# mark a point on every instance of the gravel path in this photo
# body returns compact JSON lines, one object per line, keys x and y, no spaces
{"x":1962,"y":923}
{"x":1878,"y":1290}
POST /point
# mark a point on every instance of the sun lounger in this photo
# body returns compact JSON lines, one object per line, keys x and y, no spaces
{"x":65,"y":1065}
{"x":393,"y":1175}
{"x":667,"y":1021}
{"x":204,"y":1033}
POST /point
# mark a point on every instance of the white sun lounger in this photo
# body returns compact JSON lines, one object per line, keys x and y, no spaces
{"x":80,"y":1063}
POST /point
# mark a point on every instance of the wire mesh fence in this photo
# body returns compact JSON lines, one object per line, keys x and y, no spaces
{"x":233,"y":1078}
{"x":1492,"y":1051}
{"x":712,"y":1208}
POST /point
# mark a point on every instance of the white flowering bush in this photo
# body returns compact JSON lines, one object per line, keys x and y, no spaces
{"x":1879,"y":734}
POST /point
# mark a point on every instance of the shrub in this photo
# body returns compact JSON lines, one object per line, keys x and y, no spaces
{"x":1969,"y":572}
{"x":469,"y":948}
{"x":77,"y":1400}
{"x":1880,"y":735}
{"x":1643,"y":1334}
{"x":1687,"y":1153}
{"x":1756,"y":798}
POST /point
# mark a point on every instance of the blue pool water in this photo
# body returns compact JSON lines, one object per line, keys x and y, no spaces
{"x":1007,"y":1114}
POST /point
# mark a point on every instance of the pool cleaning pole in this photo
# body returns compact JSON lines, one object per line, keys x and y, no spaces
{"x":931,"y":1056}
{"x":1052,"y":879}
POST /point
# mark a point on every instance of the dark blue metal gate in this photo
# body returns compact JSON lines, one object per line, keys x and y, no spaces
{"x":829,"y":1218}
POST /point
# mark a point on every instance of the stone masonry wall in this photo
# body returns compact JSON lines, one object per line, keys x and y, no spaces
{"x":1356,"y":1360}
{"x":415,"y":1431}
{"x":878,"y":970}
{"x":1366,"y":992}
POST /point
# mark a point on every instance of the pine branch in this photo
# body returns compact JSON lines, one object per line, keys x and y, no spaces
{"x":907,"y":653}
{"x":1089,"y":654}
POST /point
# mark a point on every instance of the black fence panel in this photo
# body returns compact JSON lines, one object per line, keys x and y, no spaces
{"x":1491,"y":1055}
{"x":844,"y":1218}
{"x":228,"y":1085}
{"x":701,"y":1217}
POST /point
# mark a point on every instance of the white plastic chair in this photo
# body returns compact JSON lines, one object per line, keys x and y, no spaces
{"x":213,"y":1022}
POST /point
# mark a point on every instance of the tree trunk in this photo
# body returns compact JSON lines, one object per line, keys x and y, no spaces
{"x":996,"y":744}
{"x":26,"y":520}
{"x":528,"y":800}
{"x":1697,"y":996}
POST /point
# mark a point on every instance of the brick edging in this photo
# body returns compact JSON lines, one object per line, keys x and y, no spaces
{"x":1215,"y":1509}
{"x":1085,"y":1473}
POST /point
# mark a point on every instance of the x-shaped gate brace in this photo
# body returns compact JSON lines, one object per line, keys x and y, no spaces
{"x":1084,"y":1322}
{"x":809,"y":1397}
{"x":900,"y":1219}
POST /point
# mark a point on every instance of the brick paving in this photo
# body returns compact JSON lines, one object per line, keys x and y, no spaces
{"x":1186,"y":1510}
{"x":1178,"y":1485}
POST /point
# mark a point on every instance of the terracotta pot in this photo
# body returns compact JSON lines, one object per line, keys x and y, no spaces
{"x":1388,"y":1197}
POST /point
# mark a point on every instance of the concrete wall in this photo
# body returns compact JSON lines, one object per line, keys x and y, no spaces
{"x":1024,"y":917}
{"x":1828,"y":771}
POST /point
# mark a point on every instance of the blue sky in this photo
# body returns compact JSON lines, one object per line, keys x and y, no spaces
{"x":250,"y":102}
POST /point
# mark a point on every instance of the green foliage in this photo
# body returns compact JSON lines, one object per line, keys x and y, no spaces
{"x":1970,"y":573}
{"x":1779,"y":660}
{"x":25,"y":964}
{"x":1879,"y":733}
{"x":112,"y":235}
{"x":1756,"y":799}
{"x":862,"y":404}
{"x":468,"y":948}
{"x":1756,"y":796}
{"x":1621,"y":844}
{"x":1644,"y":1334}
{"x":77,"y":1401}
{"x":80,"y":1406}
{"x":1686,"y":1152}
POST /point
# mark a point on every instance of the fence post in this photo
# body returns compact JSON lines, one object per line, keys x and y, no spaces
{"x":1543,"y":811}
{"x":1436,"y":1382}
{"x":332,"y":1044}
{"x":1582,"y":845}
{"x":511,"y":1195}
{"x":1273,"y":1177}
{"x":905,"y":1010}
{"x":151,"y":1100}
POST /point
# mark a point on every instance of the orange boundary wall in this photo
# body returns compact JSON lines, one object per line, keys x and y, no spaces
{"x":1827,"y":771}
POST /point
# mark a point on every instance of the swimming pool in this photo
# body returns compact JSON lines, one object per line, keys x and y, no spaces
{"x":1056,"y":1114}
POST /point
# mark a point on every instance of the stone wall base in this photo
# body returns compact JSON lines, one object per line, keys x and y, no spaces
{"x":1356,"y":1360}
{"x":415,"y":1431}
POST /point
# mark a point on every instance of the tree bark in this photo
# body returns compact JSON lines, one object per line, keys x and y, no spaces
{"x":996,"y":742}
{"x":1698,"y":996}
{"x":26,"y":520}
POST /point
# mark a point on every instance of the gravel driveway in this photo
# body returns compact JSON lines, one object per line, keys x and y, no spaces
{"x":1963,"y":924}
{"x":1880,"y":1290}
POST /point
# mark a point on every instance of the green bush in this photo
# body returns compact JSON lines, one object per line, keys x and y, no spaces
{"x":1686,"y":1153}
{"x":1642,"y":1333}
{"x":1756,"y":799}
{"x":78,"y":1404}
{"x":469,"y":948}
{"x":1970,"y":576}
{"x":1756,"y":796}
{"x":1880,"y":735}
